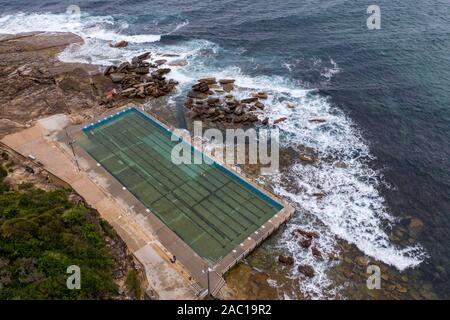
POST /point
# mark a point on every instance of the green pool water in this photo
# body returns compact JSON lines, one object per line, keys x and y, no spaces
{"x":206,"y":205}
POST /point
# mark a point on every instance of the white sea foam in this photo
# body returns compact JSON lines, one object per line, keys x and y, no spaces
{"x":96,"y":31}
{"x":352,"y":208}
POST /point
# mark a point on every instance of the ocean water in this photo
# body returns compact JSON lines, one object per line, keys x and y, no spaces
{"x":384,"y":94}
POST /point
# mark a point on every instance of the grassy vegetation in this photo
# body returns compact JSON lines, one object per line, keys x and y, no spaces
{"x":133,"y":284}
{"x":41,"y":235}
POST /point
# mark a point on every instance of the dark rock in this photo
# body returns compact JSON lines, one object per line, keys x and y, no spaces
{"x":160,"y":62}
{"x":306,"y":158}
{"x":228,"y":87}
{"x":144,"y":56}
{"x":197,"y":95}
{"x":189,"y":103}
{"x":109,"y":70}
{"x":178,"y":63}
{"x":280,"y":120}
{"x":123,"y":67}
{"x":226,"y":81}
{"x":117,"y":77}
{"x":265,"y":121}
{"x":307,"y":234}
{"x":213,"y":100}
{"x":262,"y":95}
{"x":341,"y":165}
{"x":209,"y":81}
{"x":317,"y":120}
{"x":307,"y":270}
{"x":120,"y":44}
{"x":260,"y":105}
{"x":316,"y":252}
{"x":249,"y":100}
{"x":201,"y":87}
{"x":238,"y":111}
{"x":163,"y":71}
{"x":142,"y":70}
{"x":252,"y":118}
{"x":305,"y":242}
{"x":289,"y":260}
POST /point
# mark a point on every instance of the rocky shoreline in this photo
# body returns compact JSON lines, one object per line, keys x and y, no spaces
{"x":34,"y":83}
{"x":212,"y":100}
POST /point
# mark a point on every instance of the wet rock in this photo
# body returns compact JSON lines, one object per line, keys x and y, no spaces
{"x":307,"y":270}
{"x":226,"y":81}
{"x":288,"y":260}
{"x":306,"y":158}
{"x":209,"y":81}
{"x":212,"y":100}
{"x":265,"y":122}
{"x":197,"y":95}
{"x":306,"y":234}
{"x":163,"y":71}
{"x":279,"y":120}
{"x":249,"y":100}
{"x":260,"y":105}
{"x":178,"y":63}
{"x":305,"y":242}
{"x":318,"y":195}
{"x":201,"y":87}
{"x":341,"y":165}
{"x":144,"y":56}
{"x":316,"y":252}
{"x":262,"y":95}
{"x":120,"y":44}
{"x":142,"y":70}
{"x":160,"y":62}
{"x":290,"y":105}
{"x":317,"y":120}
{"x":189,"y":103}
{"x":228,"y":87}
{"x":123,"y":67}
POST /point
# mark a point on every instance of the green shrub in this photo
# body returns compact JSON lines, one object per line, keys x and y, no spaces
{"x":43,"y":233}
{"x":133,"y":284}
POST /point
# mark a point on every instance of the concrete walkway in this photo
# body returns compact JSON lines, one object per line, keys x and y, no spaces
{"x":168,"y":280}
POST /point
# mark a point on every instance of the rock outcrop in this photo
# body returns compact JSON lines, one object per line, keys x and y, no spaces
{"x":34,"y":83}
{"x":140,"y":78}
{"x":210,"y":100}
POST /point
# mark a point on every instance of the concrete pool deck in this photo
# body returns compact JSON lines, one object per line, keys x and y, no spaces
{"x":151,"y":241}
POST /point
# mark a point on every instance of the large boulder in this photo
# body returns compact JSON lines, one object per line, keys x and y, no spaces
{"x":120,"y":44}
{"x":284,"y":259}
{"x":307,"y":270}
{"x":197,"y":95}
